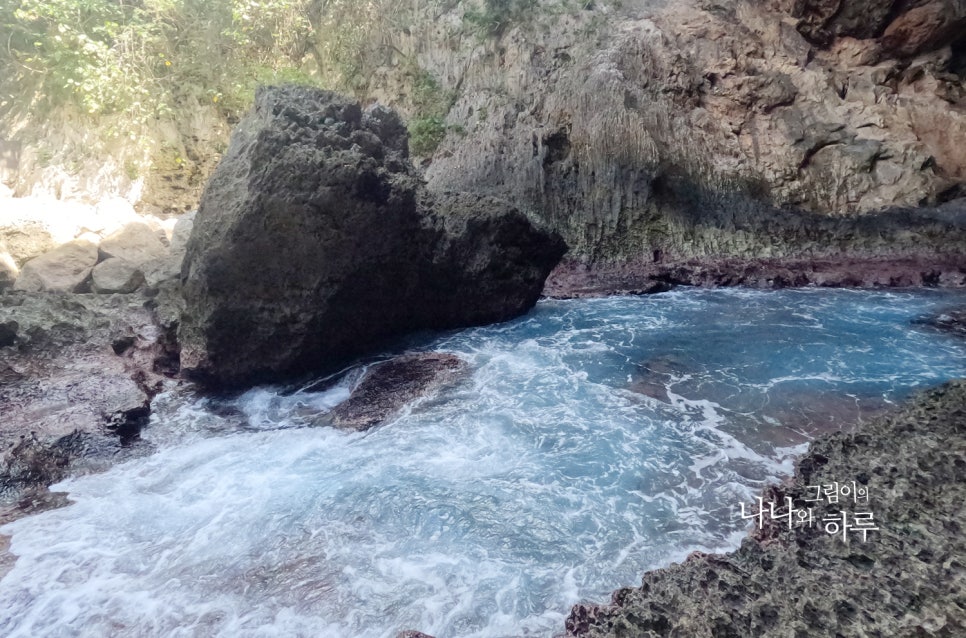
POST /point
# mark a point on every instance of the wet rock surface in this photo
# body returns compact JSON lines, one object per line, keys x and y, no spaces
{"x":77,"y":375}
{"x":904,"y":580}
{"x":953,"y":322}
{"x":389,"y":386}
{"x":315,"y":239}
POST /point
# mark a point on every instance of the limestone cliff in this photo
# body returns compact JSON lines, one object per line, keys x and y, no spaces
{"x":675,"y":130}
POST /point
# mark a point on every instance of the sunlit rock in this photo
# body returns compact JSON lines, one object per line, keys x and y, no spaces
{"x":116,"y":275}
{"x":64,"y":269}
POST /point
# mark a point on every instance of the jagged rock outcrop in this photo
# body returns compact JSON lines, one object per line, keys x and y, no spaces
{"x":315,"y":239}
{"x":77,"y":375}
{"x":904,"y":579}
{"x":905,"y":27}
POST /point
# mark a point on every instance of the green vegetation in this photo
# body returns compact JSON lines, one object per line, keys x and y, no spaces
{"x":126,"y":69}
{"x":155,"y":58}
{"x":430,"y":104}
{"x":495,"y":16}
{"x":426,"y":134}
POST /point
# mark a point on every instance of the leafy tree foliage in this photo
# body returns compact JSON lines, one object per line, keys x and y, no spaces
{"x":148,"y":58}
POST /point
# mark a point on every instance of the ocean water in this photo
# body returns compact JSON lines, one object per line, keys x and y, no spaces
{"x":593,"y":440}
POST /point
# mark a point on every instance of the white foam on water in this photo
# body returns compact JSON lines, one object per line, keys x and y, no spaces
{"x":538,"y":482}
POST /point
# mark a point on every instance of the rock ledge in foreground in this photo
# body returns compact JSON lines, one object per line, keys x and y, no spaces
{"x":905,"y":580}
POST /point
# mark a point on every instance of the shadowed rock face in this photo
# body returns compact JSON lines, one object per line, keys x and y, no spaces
{"x":315,"y":239}
{"x":388,"y":386}
{"x":904,"y":580}
{"x":771,"y":248}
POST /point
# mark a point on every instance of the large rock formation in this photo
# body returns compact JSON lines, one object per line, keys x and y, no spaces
{"x":64,"y":269}
{"x":698,"y":131}
{"x":315,"y":239}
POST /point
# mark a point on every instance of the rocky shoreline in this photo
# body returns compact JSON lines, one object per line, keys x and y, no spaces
{"x":575,"y":279}
{"x":772,"y":248}
{"x":79,"y":370}
{"x":905,"y":579}
{"x":77,"y":376}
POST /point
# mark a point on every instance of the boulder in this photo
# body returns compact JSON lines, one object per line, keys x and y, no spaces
{"x":63,"y":269}
{"x":137,"y":243}
{"x":116,"y":275}
{"x":926,"y":28}
{"x":316,"y":239}
{"x":388,"y":386}
{"x":25,"y":240}
{"x":168,"y":267}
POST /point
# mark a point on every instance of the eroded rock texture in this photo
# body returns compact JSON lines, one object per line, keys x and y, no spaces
{"x":694,"y":131}
{"x":388,"y":386}
{"x":77,"y":375}
{"x":904,"y":580}
{"x":315,"y":239}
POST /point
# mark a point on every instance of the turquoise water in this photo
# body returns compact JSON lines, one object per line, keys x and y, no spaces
{"x":594,"y":439}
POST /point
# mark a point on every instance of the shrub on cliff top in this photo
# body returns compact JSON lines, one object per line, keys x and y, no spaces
{"x":496,"y":15}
